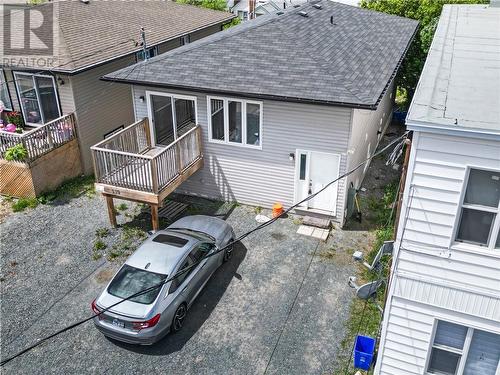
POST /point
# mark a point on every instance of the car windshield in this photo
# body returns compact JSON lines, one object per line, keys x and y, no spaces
{"x":130,"y":280}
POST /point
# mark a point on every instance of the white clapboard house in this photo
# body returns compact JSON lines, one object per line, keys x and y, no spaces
{"x":443,"y":310}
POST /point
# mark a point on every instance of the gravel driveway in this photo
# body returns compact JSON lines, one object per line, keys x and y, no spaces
{"x":278,"y":307}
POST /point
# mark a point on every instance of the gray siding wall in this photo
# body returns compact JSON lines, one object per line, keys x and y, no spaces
{"x":263,"y":177}
{"x":100,"y":106}
{"x":174,"y":43}
{"x":104,"y":106}
{"x":364,"y":138}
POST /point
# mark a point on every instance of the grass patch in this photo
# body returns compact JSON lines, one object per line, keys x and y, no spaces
{"x":23,"y":203}
{"x":73,"y":188}
{"x":364,"y":316}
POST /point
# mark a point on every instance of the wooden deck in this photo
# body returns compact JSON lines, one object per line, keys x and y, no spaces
{"x":128,"y":166}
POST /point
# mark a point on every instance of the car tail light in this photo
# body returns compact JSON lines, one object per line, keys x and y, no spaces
{"x":95,"y":309}
{"x":147,"y":324}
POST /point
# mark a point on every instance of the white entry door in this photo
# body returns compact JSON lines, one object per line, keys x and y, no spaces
{"x":313,"y":171}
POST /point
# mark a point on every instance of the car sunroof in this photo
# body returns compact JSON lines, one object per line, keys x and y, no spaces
{"x":167,"y":239}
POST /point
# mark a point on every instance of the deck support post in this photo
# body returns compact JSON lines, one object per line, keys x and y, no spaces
{"x":154,"y":217}
{"x":111,"y":210}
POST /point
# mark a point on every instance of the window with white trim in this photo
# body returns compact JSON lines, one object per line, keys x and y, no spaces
{"x":243,"y":15}
{"x":185,"y":39}
{"x":150,"y":53}
{"x":4,"y":93}
{"x":38,"y":95}
{"x":479,"y":222}
{"x":235,"y":121}
{"x":460,"y":350}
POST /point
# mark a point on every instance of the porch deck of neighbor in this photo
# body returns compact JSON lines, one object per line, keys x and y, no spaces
{"x":128,"y":165}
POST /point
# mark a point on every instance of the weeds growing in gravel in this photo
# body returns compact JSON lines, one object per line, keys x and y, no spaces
{"x":22,"y":203}
{"x":102,"y":232}
{"x":122,"y":207}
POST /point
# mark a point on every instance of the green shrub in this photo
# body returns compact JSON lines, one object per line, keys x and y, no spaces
{"x":16,"y":153}
{"x":102,"y":232}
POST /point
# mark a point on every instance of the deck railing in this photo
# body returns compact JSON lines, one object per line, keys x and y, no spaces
{"x":41,"y":140}
{"x":121,"y":160}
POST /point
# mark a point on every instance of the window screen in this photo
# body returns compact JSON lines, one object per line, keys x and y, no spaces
{"x":217,"y":118}
{"x":480,"y":209}
{"x":484,"y":354}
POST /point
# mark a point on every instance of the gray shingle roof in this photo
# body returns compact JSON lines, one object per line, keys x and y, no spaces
{"x":101,"y":30}
{"x":348,"y":61}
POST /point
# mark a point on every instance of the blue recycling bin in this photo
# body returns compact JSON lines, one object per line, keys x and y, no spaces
{"x":363,"y":352}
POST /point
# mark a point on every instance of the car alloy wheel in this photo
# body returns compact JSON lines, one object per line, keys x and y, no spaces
{"x":180,"y":315}
{"x":229,"y":251}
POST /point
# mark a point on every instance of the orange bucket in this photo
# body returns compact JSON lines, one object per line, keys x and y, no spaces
{"x":277,"y":209}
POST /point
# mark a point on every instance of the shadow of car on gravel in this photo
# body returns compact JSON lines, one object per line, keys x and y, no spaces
{"x":199,"y":312}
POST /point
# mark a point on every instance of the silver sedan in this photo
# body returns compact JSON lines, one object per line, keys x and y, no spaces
{"x":148,"y":317}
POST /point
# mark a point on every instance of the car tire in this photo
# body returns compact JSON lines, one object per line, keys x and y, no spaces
{"x":179,"y":317}
{"x":229,"y":251}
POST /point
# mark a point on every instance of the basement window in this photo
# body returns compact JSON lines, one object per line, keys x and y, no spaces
{"x":479,"y":222}
{"x":235,"y":121}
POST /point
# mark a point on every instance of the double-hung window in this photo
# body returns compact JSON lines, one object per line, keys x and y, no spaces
{"x":4,"y":93}
{"x":38,"y":95}
{"x":479,"y":222}
{"x":243,"y":15}
{"x":235,"y":121}
{"x":460,"y":350}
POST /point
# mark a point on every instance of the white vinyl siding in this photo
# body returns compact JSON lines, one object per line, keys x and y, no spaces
{"x":367,"y":128}
{"x":264,"y":176}
{"x":435,"y":276}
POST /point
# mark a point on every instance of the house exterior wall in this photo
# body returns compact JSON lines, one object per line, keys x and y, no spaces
{"x":64,"y":92}
{"x":101,"y":106}
{"x":264,"y":176}
{"x":174,"y":43}
{"x":365,"y":136}
{"x":434,"y":277}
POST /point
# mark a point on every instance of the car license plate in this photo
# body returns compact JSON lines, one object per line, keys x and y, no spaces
{"x":118,"y":323}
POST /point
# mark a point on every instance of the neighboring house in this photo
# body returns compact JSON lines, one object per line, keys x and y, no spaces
{"x":282,"y":105}
{"x":443,"y":309}
{"x":95,"y":38}
{"x":250,"y":9}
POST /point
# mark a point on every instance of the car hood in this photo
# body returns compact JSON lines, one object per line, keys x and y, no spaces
{"x":127,"y":308}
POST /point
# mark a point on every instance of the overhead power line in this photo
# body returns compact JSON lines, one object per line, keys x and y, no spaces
{"x":186,"y":269}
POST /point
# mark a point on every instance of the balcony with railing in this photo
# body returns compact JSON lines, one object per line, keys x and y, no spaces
{"x":40,"y":158}
{"x":128,"y":166}
{"x":40,"y":140}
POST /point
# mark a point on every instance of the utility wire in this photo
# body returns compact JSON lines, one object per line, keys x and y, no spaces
{"x":186,"y":269}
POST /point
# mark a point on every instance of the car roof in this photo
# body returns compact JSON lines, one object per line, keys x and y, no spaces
{"x":161,"y":257}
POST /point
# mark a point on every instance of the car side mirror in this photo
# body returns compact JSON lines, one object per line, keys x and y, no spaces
{"x":151,"y":232}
